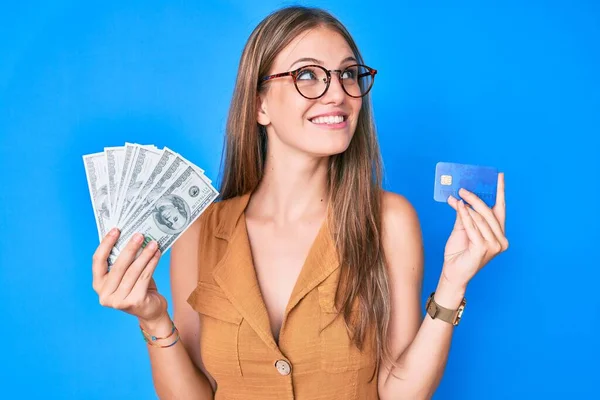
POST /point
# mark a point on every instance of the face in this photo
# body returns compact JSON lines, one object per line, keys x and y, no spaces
{"x":172,"y":217}
{"x":294,"y":120}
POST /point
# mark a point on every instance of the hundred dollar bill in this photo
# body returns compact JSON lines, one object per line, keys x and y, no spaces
{"x":172,"y":213}
{"x":130,"y":153}
{"x":172,"y":172}
{"x":97,"y":178}
{"x":115,"y":157}
{"x":158,"y":171}
{"x":142,"y":166}
{"x":165,"y":171}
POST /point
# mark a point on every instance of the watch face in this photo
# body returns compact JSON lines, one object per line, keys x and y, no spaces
{"x":459,"y":313}
{"x":431,"y":309}
{"x":429,"y":301}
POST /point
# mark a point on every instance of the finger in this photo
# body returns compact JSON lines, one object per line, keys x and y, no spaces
{"x":484,"y":228}
{"x":133,"y":272}
{"x":472,"y":232}
{"x":140,"y":288}
{"x":453,"y":202}
{"x":497,"y":241}
{"x":100,"y":257}
{"x":483,"y":210}
{"x":499,"y":208}
{"x":122,"y":263}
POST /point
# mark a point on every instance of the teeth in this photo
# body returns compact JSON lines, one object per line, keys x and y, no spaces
{"x":328,"y":120}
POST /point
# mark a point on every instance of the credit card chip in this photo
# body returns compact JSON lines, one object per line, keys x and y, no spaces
{"x":446,"y":180}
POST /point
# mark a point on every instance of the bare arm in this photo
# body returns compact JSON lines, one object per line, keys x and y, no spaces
{"x":129,"y":287}
{"x":177,"y":371}
{"x":419,"y":345}
{"x":421,"y":348}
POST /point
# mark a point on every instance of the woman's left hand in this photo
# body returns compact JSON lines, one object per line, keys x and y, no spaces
{"x":477,"y":237}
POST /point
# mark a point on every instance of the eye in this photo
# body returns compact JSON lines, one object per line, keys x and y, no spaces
{"x":307,"y":74}
{"x":349,"y":73}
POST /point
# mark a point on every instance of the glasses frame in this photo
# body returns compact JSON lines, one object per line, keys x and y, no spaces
{"x":294,"y":74}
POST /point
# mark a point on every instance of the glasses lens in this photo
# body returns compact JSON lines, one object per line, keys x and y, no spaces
{"x":357,"y":80}
{"x":311,"y":81}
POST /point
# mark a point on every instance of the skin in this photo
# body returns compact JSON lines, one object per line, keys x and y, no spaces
{"x":288,"y":207}
{"x":283,"y":217}
{"x":285,"y":113}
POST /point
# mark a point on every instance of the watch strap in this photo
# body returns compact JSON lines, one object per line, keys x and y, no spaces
{"x":451,"y":316}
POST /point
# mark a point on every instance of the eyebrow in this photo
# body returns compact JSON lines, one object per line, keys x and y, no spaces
{"x":314,"y":60}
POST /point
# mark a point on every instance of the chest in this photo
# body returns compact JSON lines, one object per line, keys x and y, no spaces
{"x":279,"y":254}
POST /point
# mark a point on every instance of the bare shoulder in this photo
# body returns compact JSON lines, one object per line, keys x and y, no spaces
{"x":185,"y":251}
{"x":399,"y":217}
{"x":402,"y":239}
{"x":396,"y":203}
{"x":187,"y":242}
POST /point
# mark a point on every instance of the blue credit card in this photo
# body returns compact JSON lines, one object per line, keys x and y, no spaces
{"x":450,"y":177}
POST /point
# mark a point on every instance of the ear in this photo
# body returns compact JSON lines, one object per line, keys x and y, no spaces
{"x":261,"y":111}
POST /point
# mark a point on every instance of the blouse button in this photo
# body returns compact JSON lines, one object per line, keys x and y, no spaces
{"x":283,"y":367}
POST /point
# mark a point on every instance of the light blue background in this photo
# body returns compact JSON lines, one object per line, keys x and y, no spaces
{"x":512,"y":84}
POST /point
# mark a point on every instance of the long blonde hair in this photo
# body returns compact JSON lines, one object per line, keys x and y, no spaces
{"x":354,"y":177}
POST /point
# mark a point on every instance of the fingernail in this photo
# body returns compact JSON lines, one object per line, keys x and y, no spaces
{"x":463,"y":191}
{"x":152,"y":245}
{"x":113,"y":232}
{"x":138,"y":238}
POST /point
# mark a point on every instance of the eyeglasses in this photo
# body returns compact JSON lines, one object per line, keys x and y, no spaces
{"x":312,"y":81}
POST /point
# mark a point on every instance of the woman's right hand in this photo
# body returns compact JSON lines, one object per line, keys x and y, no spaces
{"x":129,"y":285}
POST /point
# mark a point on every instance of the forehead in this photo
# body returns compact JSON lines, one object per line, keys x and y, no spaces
{"x":320,"y":43}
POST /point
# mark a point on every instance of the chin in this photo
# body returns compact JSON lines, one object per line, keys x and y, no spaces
{"x":329,"y":149}
{"x":322,"y":144}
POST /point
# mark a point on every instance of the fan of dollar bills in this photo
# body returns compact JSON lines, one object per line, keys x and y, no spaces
{"x":140,"y":188}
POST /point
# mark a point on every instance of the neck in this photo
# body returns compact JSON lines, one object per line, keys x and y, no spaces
{"x":293,"y":186}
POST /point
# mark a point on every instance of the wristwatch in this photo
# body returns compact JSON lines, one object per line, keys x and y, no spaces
{"x":451,"y":316}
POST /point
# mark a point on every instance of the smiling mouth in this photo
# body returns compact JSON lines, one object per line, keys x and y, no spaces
{"x":329,"y":120}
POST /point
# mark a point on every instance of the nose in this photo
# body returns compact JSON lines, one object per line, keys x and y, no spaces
{"x":335,"y":93}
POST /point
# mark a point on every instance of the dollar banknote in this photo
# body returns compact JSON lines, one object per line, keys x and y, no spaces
{"x":141,"y":167}
{"x":170,"y":174}
{"x":115,"y":160}
{"x":96,"y":172}
{"x":130,"y":153}
{"x":141,"y":188}
{"x":157,"y":172}
{"x":171,"y":213}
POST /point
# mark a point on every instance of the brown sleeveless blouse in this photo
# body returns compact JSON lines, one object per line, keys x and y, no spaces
{"x":314,"y":359}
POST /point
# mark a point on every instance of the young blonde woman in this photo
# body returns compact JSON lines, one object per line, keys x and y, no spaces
{"x":304,"y":280}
